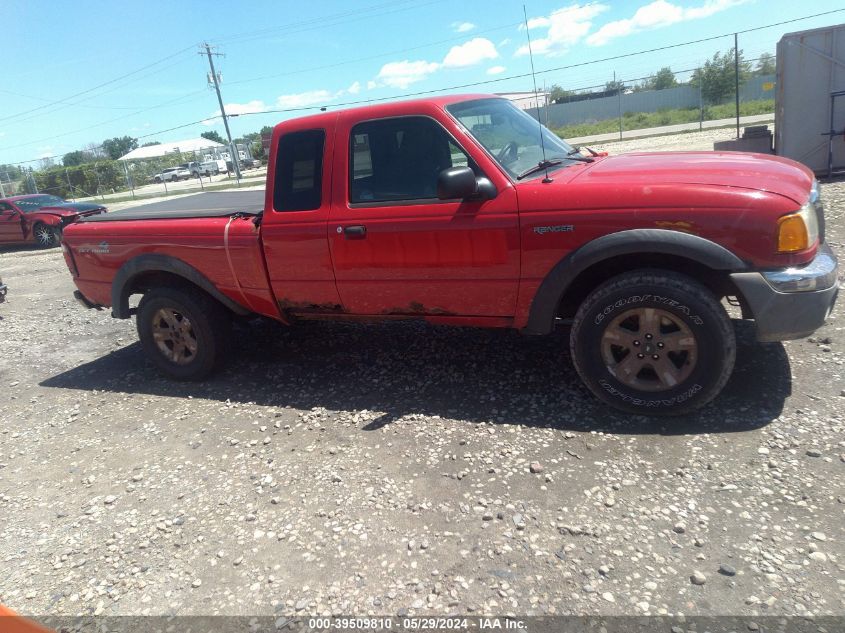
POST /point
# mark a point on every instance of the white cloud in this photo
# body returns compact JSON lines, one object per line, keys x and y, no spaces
{"x":495,"y":70}
{"x":655,"y":15}
{"x":470,"y":53}
{"x":305,"y":99}
{"x":355,"y":88}
{"x":537,"y":23}
{"x":232,"y":109}
{"x":566,"y":27}
{"x":403,"y":74}
{"x":462,"y":27}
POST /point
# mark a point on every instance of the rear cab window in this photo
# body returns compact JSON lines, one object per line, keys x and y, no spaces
{"x":298,"y":181}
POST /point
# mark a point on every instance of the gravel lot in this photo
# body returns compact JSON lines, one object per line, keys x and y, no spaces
{"x":391,"y":469}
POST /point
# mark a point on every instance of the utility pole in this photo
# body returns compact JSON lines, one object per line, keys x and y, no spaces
{"x":736,"y":79}
{"x":232,"y":148}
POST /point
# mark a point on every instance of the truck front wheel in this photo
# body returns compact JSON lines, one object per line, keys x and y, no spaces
{"x":653,"y":342}
{"x":182,"y":331}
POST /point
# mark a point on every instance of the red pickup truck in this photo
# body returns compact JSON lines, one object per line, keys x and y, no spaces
{"x":463,"y":210}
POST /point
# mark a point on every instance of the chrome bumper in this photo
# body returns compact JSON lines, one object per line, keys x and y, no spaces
{"x":792,"y":302}
{"x":819,"y":274}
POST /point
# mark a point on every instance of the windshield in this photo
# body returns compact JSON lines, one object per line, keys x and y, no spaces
{"x":28,"y":205}
{"x":510,"y":135}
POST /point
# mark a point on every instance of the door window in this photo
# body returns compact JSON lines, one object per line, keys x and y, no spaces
{"x":299,"y":171}
{"x":400,"y":159}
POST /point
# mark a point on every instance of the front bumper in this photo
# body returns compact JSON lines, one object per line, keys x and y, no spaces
{"x":791,"y":303}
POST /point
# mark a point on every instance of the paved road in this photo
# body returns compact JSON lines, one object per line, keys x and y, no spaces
{"x":670,"y":129}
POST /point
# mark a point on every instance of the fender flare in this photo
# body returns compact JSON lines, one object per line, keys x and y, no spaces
{"x":662,"y":241}
{"x":166,"y":264}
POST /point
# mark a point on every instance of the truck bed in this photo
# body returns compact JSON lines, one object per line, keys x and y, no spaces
{"x":202,"y":205}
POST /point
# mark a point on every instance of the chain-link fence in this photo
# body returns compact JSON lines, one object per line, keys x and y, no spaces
{"x":153,"y":176}
{"x":626,"y":108}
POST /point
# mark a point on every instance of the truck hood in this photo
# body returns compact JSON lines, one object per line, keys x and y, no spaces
{"x":69,"y":209}
{"x":758,"y":172}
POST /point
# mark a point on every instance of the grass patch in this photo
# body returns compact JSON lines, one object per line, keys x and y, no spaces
{"x":642,"y":120}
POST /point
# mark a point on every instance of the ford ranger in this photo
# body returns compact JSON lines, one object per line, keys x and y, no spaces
{"x":463,"y":210}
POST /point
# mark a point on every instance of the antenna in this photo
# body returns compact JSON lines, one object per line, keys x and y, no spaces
{"x":534,"y":79}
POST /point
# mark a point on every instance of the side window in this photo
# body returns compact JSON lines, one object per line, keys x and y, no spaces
{"x":399,"y":159}
{"x":5,"y":207}
{"x":299,"y":171}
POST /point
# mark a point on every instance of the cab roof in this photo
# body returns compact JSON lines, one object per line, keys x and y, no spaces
{"x":387,"y":109}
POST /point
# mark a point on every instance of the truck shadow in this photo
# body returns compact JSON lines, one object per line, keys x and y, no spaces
{"x":400,"y":369}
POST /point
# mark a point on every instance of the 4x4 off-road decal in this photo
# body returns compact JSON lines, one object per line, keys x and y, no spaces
{"x":666,"y":301}
{"x":662,"y":402}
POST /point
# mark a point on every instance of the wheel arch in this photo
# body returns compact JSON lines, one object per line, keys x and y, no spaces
{"x":574,"y":276}
{"x":150,"y":270}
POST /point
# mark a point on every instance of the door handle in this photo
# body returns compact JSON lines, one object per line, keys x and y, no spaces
{"x":357,"y":232}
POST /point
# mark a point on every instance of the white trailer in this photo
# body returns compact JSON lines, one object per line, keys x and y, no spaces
{"x":808,"y":121}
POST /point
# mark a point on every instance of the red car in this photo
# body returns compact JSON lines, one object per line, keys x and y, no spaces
{"x":452,"y":210}
{"x":40,"y":218}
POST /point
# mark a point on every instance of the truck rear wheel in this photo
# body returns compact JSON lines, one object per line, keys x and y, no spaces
{"x":183,"y":331}
{"x":653,"y":342}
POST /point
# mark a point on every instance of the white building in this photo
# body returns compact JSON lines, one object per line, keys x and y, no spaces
{"x":199,"y":145}
{"x":526,"y":100}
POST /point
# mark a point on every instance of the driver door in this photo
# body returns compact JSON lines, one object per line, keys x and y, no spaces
{"x":11,"y":225}
{"x":397,"y":249}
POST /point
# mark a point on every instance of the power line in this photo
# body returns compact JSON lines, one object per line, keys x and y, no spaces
{"x":471,"y":84}
{"x":336,"y":19}
{"x":89,"y":90}
{"x":125,"y":116}
{"x":370,"y":57}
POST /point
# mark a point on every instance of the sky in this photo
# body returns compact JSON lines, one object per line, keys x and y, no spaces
{"x":78,"y":72}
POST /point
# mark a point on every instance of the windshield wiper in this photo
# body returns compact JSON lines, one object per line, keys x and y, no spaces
{"x":574,"y":154}
{"x":543,"y":164}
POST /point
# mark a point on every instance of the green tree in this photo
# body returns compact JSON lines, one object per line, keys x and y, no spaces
{"x":71,"y":159}
{"x":118,"y":146}
{"x":662,"y":79}
{"x":151,"y":143}
{"x":717,"y":78}
{"x":614,"y":86}
{"x":556,"y":95}
{"x":10,"y":172}
{"x":213,"y":135}
{"x":765,"y":64}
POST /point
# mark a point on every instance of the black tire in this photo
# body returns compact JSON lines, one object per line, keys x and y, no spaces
{"x":209,"y":327}
{"x":682,"y":306}
{"x":46,"y":236}
{"x":157,"y":180}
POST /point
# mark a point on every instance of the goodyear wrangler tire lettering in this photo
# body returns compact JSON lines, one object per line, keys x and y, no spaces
{"x":653,"y":341}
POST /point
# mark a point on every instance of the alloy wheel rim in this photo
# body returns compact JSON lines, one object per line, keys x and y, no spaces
{"x":649,"y":349}
{"x":44,"y":236}
{"x":174,"y":336}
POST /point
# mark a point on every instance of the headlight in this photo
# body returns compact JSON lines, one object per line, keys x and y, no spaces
{"x":798,"y":231}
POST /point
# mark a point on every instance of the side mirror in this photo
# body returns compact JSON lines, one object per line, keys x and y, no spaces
{"x":456,"y":183}
{"x":460,"y":183}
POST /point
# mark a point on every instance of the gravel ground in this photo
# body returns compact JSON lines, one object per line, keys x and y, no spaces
{"x":687,"y":142}
{"x":392,"y":469}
